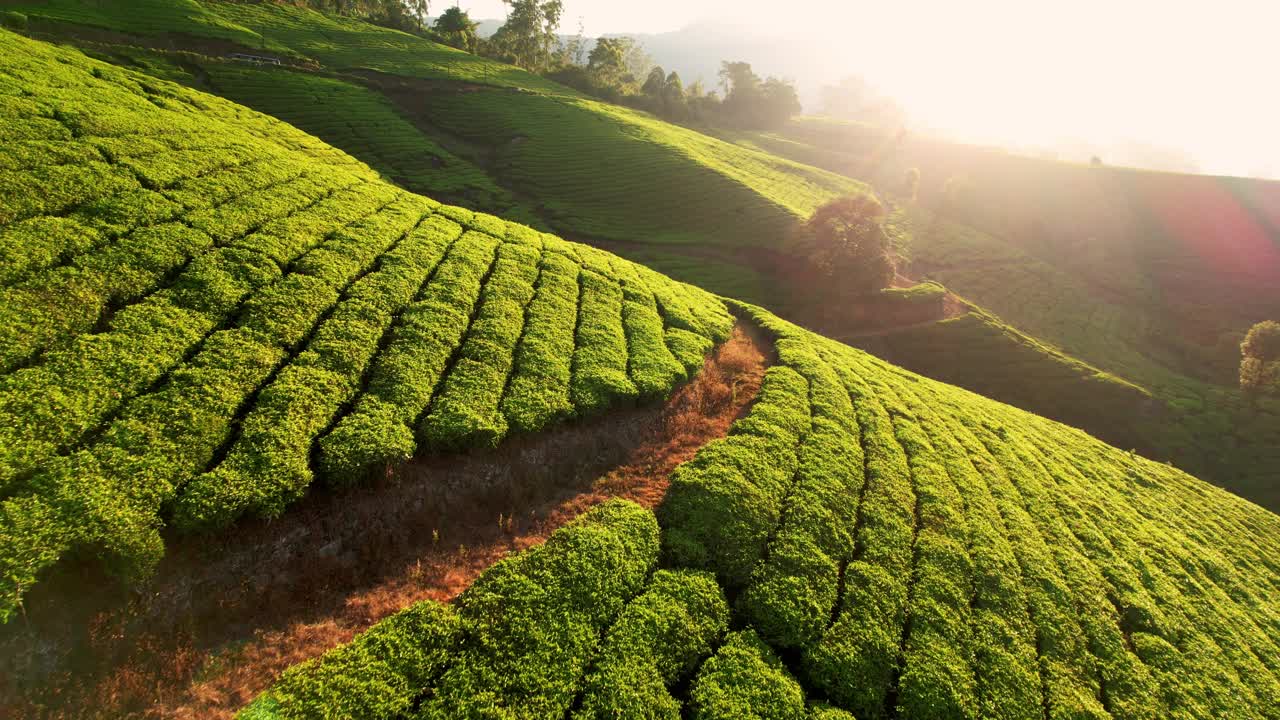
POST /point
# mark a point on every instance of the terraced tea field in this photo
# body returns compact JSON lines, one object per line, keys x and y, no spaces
{"x":205,"y":309}
{"x":979,"y":352}
{"x":586,"y":169}
{"x":363,"y":123}
{"x":1197,"y":417}
{"x":207,"y":314}
{"x":296,"y":34}
{"x":881,"y":546}
{"x":675,"y":186}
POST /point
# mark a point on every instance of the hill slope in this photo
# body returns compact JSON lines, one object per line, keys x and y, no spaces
{"x":204,"y":308}
{"x":588,"y":169}
{"x":1152,"y":277}
{"x":253,"y":309}
{"x":879,"y":542}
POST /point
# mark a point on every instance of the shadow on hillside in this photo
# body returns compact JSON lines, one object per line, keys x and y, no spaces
{"x":224,"y":615}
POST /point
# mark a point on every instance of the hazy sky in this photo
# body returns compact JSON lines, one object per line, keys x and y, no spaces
{"x":1198,"y":77}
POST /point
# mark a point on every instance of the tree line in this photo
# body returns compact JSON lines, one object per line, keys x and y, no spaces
{"x":616,"y":69}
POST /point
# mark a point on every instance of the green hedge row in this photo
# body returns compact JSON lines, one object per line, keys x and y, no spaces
{"x":936,"y":669}
{"x":656,"y":643}
{"x":57,"y":189}
{"x":56,"y":402}
{"x":745,"y":679}
{"x":723,"y":504}
{"x":686,"y":307}
{"x":855,"y":660}
{"x":466,"y":411}
{"x":50,"y":406}
{"x":1003,"y":634}
{"x":107,"y":496}
{"x":1068,"y":674}
{"x":688,"y":348}
{"x":269,"y":465}
{"x":792,"y":594}
{"x":377,"y":676}
{"x":533,"y":622}
{"x":600,"y":358}
{"x":380,"y":429}
{"x":51,"y":306}
{"x":539,"y":390}
{"x":653,"y":369}
{"x":1188,"y":596}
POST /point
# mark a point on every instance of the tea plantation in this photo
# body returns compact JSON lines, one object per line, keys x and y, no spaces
{"x":581,"y":167}
{"x":204,"y":312}
{"x":865,"y":543}
{"x":1203,"y":425}
{"x":204,"y":309}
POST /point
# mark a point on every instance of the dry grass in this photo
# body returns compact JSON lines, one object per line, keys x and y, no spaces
{"x":225,"y":616}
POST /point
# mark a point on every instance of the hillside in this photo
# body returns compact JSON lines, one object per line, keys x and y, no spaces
{"x":1151,"y":277}
{"x":1168,"y":291}
{"x":212,"y":316}
{"x":205,"y":309}
{"x":865,"y":539}
{"x":979,"y":352}
{"x":551,"y":152}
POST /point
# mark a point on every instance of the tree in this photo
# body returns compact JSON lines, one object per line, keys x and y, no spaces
{"x":607,"y":62}
{"x":639,"y":62}
{"x":673,"y":101}
{"x":1260,"y":358}
{"x":755,"y":103}
{"x":701,"y":105}
{"x":655,"y":83}
{"x":456,"y":29}
{"x":779,"y":103}
{"x":845,"y":243}
{"x":528,"y":37}
{"x":741,"y":88}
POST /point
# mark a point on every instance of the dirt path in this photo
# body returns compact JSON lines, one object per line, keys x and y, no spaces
{"x":224,"y":616}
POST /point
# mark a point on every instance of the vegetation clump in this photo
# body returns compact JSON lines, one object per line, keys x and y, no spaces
{"x":1260,"y":358}
{"x":844,"y":243}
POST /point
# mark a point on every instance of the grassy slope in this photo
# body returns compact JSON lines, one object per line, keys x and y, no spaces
{"x":911,"y":549}
{"x":978,"y":351}
{"x":205,"y":310}
{"x":1152,"y":277}
{"x":589,"y":169}
{"x":1203,"y":426}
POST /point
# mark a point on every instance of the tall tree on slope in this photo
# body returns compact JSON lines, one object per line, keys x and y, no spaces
{"x":528,"y":38}
{"x":456,"y":28}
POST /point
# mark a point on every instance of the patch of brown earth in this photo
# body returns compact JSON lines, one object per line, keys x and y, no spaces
{"x":225,"y":615}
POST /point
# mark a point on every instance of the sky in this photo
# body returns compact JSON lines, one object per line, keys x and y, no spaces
{"x":1190,"y":76}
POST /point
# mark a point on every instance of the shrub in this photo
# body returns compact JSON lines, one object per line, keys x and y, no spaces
{"x":722,"y":504}
{"x":1262,"y":342}
{"x":656,"y":642}
{"x":1260,"y":361}
{"x":746,"y":680}
{"x":376,"y":676}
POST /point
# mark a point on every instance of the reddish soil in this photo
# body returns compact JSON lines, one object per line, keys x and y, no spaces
{"x":225,"y":615}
